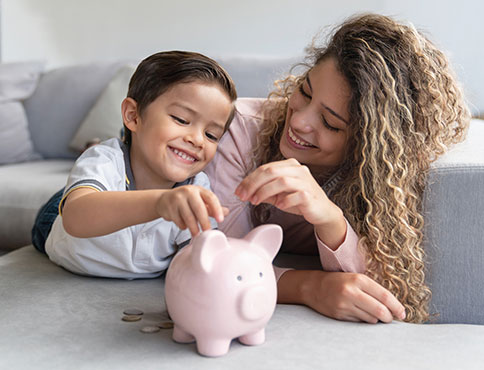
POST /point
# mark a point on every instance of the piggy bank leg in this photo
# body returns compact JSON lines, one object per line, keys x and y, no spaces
{"x":181,"y":336}
{"x":253,"y":339}
{"x":213,"y":347}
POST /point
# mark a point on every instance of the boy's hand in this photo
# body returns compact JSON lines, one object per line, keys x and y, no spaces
{"x":189,"y":206}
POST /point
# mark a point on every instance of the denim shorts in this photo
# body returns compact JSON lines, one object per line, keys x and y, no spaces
{"x":44,"y":220}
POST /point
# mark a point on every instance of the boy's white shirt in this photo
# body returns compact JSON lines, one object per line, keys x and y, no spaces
{"x":139,"y":251}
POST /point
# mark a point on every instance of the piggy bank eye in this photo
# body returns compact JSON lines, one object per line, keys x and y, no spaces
{"x":261,"y":274}
{"x":239,"y":278}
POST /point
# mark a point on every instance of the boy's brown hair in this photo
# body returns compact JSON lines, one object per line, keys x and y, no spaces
{"x":160,"y":71}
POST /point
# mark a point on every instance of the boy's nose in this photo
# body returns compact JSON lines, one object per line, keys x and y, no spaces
{"x":195,"y":137}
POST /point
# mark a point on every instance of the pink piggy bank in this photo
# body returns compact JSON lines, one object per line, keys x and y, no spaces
{"x":220,"y":288}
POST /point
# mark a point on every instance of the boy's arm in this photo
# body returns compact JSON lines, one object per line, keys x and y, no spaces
{"x":89,"y":213}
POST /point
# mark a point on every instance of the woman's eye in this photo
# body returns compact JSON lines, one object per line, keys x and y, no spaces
{"x":179,"y":120}
{"x":304,"y":93}
{"x":328,"y":126}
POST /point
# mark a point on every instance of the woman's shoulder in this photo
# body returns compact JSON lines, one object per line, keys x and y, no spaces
{"x":250,"y":107}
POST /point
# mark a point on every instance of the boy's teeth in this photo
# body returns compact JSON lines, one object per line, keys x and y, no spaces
{"x":183,"y":155}
{"x":296,"y":140}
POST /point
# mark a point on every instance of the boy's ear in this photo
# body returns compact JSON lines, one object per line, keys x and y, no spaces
{"x":129,"y":112}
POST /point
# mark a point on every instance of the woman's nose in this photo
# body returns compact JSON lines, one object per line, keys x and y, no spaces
{"x":302,"y":120}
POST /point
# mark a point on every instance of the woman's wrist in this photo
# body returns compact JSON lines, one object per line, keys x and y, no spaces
{"x":299,"y":286}
{"x":333,"y":231}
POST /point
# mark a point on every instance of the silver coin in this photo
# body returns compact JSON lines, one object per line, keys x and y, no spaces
{"x":131,"y":318}
{"x":149,"y":329}
{"x":166,"y":325}
{"x":133,"y":311}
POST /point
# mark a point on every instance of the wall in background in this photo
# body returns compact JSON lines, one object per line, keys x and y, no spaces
{"x":64,"y":32}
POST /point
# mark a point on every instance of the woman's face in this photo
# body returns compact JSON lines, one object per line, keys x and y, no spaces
{"x":316,"y":130}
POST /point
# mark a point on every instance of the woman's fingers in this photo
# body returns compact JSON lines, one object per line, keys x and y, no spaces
{"x":265,"y":174}
{"x":372,"y":308}
{"x":271,"y":190}
{"x":362,"y":315}
{"x":385,"y":299}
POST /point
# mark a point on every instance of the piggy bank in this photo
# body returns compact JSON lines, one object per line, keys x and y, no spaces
{"x":218,"y":289}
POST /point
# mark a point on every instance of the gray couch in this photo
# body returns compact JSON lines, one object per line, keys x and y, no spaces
{"x":53,"y":319}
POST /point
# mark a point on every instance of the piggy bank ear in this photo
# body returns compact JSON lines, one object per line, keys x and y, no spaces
{"x":206,"y":247}
{"x":268,"y":237}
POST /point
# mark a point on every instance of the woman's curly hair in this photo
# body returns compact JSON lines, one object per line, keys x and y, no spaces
{"x":405,"y":110}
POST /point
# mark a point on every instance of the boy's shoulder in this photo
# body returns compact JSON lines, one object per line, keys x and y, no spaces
{"x":200,"y":179}
{"x":111,"y":148}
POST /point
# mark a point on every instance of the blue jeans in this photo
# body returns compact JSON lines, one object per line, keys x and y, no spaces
{"x":44,"y":220}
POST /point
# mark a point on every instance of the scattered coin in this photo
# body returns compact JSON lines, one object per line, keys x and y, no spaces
{"x":149,"y":329}
{"x":166,"y":325}
{"x":131,"y":318}
{"x":133,"y":311}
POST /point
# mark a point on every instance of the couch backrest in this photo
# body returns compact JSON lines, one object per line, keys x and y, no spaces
{"x":61,"y":101}
{"x":65,"y":95}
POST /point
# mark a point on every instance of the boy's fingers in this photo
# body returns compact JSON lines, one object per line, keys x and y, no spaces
{"x":213,"y":206}
{"x":200,"y":213}
{"x":225,"y":211}
{"x":190,"y":220}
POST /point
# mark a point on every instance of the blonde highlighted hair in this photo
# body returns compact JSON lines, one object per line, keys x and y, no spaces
{"x":405,"y":110}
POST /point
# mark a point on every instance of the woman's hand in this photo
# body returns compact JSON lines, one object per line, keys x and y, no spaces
{"x":289,"y":186}
{"x":340,"y":295}
{"x":190,"y":206}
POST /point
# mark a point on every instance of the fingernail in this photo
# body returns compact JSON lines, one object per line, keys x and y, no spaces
{"x":242,"y":195}
{"x":402,"y":315}
{"x":254,"y":200}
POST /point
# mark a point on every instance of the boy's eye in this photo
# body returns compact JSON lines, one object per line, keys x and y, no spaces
{"x":179,"y":120}
{"x":211,"y":136}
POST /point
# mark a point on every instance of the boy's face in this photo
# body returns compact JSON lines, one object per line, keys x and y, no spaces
{"x":177,"y":134}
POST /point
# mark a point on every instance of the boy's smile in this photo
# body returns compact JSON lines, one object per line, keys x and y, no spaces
{"x":177,"y":134}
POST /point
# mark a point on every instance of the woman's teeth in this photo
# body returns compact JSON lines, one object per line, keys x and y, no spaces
{"x":296,"y":140}
{"x":183,"y":155}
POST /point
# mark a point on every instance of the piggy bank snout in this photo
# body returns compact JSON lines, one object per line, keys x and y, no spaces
{"x":255,"y":303}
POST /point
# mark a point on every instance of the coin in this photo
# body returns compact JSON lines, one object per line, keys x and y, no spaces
{"x":131,"y":318}
{"x":166,"y":325}
{"x":149,"y":329}
{"x":132,"y":311}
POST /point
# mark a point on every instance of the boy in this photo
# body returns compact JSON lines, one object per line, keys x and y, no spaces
{"x":127,"y":205}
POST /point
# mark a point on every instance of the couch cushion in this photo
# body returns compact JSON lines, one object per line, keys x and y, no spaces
{"x":58,"y":320}
{"x":104,"y":120}
{"x":17,"y":82}
{"x":60,"y":103}
{"x":25,"y":188}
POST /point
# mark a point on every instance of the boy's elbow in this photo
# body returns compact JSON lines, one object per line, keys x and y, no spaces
{"x":72,"y":227}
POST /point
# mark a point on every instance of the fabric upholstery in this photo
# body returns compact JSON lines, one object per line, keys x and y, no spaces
{"x":104,"y":120}
{"x":17,"y":82}
{"x":25,"y":188}
{"x":52,"y":319}
{"x":61,"y":102}
{"x":454,"y":219}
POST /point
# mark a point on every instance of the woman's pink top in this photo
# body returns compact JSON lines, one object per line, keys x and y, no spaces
{"x":233,"y":161}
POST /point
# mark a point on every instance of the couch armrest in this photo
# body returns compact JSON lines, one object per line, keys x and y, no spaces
{"x":454,"y":231}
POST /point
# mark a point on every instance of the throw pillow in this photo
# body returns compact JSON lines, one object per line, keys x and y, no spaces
{"x":17,"y":82}
{"x":104,"y":120}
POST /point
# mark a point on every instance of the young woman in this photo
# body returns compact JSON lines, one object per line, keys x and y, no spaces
{"x":338,"y":156}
